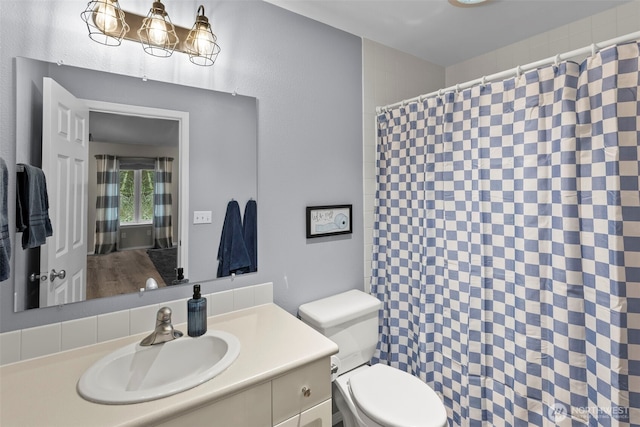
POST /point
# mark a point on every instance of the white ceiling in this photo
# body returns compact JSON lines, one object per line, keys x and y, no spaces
{"x":441,"y":33}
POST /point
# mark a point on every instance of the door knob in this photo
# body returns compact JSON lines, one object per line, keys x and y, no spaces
{"x":61,"y":275}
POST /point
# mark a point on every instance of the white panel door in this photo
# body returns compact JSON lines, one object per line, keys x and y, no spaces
{"x":65,"y":152}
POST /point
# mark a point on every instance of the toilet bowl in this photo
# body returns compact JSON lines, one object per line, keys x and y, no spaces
{"x":369,"y":396}
{"x":382,"y":396}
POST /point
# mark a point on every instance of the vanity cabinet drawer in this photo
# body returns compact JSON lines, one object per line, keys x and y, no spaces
{"x":318,"y":416}
{"x":301,"y":389}
{"x":249,"y":408}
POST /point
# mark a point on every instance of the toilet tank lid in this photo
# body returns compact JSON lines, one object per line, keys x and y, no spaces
{"x":336,"y":309}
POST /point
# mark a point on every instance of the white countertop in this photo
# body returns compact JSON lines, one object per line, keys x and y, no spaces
{"x":42,"y":391}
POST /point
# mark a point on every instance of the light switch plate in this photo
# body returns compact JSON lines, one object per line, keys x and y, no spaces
{"x":202,"y":217}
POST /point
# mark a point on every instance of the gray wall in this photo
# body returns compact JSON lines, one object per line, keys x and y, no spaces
{"x":307,"y":79}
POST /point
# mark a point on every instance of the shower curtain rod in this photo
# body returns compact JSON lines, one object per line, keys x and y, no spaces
{"x":593,"y":49}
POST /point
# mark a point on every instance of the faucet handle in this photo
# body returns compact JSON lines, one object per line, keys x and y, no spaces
{"x":164,"y":315}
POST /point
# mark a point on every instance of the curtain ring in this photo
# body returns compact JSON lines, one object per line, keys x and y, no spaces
{"x":594,"y":49}
{"x":518,"y":72}
{"x":556,"y":61}
{"x":457,"y":88}
{"x":440,"y":93}
{"x":483,"y":82}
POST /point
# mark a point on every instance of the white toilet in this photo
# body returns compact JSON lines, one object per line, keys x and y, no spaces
{"x":369,"y":396}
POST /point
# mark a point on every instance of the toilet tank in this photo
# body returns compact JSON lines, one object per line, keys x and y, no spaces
{"x":350,"y":319}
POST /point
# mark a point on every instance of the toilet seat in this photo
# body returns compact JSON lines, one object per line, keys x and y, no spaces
{"x":394,"y":398}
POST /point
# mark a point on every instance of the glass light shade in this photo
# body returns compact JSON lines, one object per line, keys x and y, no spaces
{"x":105,"y":22}
{"x":157,"y":33}
{"x":201,"y":42}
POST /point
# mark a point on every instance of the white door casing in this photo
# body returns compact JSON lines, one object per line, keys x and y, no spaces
{"x":183,"y":155}
{"x":65,"y":151}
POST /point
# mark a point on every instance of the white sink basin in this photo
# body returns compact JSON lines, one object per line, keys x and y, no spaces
{"x":138,"y":374}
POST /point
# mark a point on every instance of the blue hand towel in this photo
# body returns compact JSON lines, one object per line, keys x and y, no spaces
{"x":32,"y":216}
{"x":250,"y":232}
{"x":232,"y":252}
{"x":5,"y":239}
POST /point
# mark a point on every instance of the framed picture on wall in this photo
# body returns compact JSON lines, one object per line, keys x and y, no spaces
{"x":328,"y":220}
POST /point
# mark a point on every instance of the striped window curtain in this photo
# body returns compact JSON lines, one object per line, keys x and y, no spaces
{"x":507,"y":245}
{"x":107,"y":223}
{"x":162,"y":217}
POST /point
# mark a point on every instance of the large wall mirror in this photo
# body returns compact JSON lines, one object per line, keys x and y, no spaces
{"x":143,"y":130}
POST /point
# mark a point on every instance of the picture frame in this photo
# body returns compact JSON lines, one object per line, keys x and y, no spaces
{"x":329,"y":220}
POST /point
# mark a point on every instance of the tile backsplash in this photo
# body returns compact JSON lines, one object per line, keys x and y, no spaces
{"x":25,"y":344}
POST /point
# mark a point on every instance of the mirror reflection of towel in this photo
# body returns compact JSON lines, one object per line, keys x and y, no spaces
{"x":232,"y":252}
{"x":32,"y":207}
{"x":5,"y":238}
{"x":250,"y":231}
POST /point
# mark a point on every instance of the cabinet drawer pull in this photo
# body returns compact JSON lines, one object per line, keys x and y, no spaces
{"x":306,"y":392}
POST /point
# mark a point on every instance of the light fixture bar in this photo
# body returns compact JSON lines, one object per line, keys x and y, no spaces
{"x":135,"y":22}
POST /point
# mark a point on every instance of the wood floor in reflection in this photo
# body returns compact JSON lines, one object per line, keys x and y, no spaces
{"x":118,"y":273}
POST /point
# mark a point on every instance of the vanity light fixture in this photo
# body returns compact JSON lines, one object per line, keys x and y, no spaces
{"x":201,"y":42}
{"x":105,"y":22}
{"x":108,"y":24}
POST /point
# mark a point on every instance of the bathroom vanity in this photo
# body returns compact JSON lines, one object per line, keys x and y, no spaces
{"x":281,"y":378}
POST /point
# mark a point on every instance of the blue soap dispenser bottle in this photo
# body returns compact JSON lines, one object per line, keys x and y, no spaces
{"x":196,"y":314}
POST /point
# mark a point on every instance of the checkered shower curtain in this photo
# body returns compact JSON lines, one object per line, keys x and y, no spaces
{"x":507,"y":245}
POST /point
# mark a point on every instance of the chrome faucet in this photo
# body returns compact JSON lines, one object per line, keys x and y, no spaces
{"x":164,"y":329}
